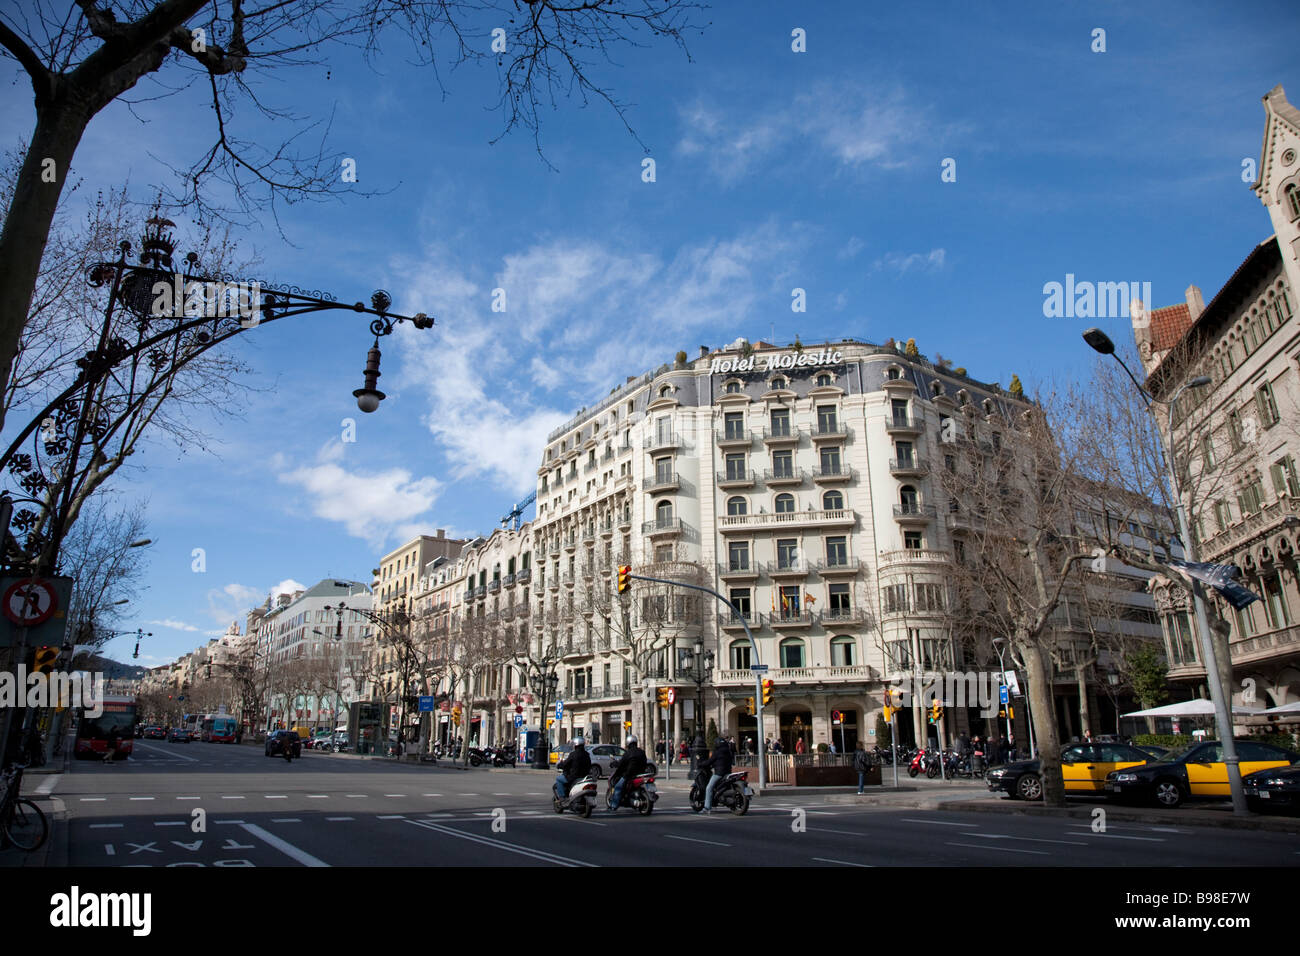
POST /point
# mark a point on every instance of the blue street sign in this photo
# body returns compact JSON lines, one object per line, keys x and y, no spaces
{"x":519,"y":720}
{"x":759,"y":668}
{"x":559,"y":709}
{"x":1002,"y":693}
{"x":426,"y":705}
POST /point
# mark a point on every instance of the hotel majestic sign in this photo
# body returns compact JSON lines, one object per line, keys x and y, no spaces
{"x":782,"y":360}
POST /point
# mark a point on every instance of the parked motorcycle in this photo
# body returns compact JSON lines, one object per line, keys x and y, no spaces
{"x":581,"y":799}
{"x":640,"y":792}
{"x":478,"y":756}
{"x":503,"y":755}
{"x":733,"y":792}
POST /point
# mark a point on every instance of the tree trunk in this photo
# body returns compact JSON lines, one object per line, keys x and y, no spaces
{"x":60,"y":125}
{"x":1045,"y":736}
{"x":1085,"y":714}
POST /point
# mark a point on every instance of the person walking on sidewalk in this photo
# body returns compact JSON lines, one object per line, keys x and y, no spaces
{"x":862,"y":764}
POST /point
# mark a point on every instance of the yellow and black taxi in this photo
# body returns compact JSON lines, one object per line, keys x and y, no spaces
{"x":1273,"y":789}
{"x":1198,"y":771}
{"x":1084,"y":768}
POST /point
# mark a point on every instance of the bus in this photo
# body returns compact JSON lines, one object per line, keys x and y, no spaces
{"x":218,"y":728}
{"x":115,"y":724}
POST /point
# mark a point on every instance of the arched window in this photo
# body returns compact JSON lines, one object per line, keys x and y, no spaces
{"x":784,"y":504}
{"x":1293,"y":200}
{"x":823,"y":380}
{"x":894,"y":373}
{"x":733,"y":387}
{"x":664,"y":512}
{"x":842,"y":651}
{"x":833,"y":501}
{"x":936,"y":389}
{"x":737,"y":505}
{"x":907,"y":497}
{"x":666,"y":391}
{"x":740,"y":655}
{"x":778,"y":383}
{"x":792,"y":652}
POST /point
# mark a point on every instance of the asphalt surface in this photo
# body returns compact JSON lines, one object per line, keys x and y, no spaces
{"x":230,"y":806}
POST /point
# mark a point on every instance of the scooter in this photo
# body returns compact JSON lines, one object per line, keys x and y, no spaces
{"x":502,"y":756}
{"x":640,"y":792}
{"x":581,"y":799}
{"x":732,"y":792}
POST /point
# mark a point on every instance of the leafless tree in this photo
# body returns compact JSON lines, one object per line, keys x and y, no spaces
{"x":80,"y":61}
{"x":97,"y":556}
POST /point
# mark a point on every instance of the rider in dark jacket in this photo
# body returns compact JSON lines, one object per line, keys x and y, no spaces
{"x":720,"y":763}
{"x":633,"y":762}
{"x":572,"y":768}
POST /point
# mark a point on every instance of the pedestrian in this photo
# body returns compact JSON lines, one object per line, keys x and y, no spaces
{"x":832,"y":745}
{"x":1010,"y":746}
{"x":112,"y":746}
{"x":798,"y":746}
{"x":862,"y":764}
{"x":776,"y":746}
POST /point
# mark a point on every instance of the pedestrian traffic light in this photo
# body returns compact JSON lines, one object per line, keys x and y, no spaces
{"x":44,"y":660}
{"x":767,"y":692}
{"x":749,"y":706}
{"x":624,"y":573}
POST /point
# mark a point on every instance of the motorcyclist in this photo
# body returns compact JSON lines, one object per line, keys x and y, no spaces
{"x":633,"y":762}
{"x":572,"y":768}
{"x":720,"y":763}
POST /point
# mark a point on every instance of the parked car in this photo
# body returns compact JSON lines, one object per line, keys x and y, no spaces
{"x":1084,"y":766}
{"x":278,"y":740}
{"x":156,"y":733}
{"x":179,"y":735}
{"x":604,"y":757}
{"x":1274,"y":789}
{"x":1198,"y":771}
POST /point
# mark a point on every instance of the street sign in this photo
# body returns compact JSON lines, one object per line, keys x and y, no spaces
{"x":519,"y":720}
{"x":1002,"y":694}
{"x":426,"y":705}
{"x":39,"y":604}
{"x":559,"y":710}
{"x":30,"y":602}
{"x":758,"y":668}
{"x":835,"y":717}
{"x":672,"y":695}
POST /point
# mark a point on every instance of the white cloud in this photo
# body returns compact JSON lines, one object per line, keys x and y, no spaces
{"x":370,"y":506}
{"x":851,"y":248}
{"x":232,"y":602}
{"x":932,"y":261}
{"x":174,"y":625}
{"x":287,"y":586}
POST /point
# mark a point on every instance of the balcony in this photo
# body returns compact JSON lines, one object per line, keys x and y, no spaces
{"x":911,"y":467}
{"x":508,"y":581}
{"x":661,"y":483}
{"x":625,"y":522}
{"x":480,"y":592}
{"x":903,"y":425}
{"x":736,"y":478}
{"x":780,"y":437}
{"x":1274,"y":645}
{"x":784,"y":477}
{"x":787,"y":569}
{"x":789,"y":620}
{"x":743,"y":524}
{"x":589,"y":536}
{"x":568,"y":579}
{"x":607,"y":529}
{"x":795,"y":675}
{"x":737,"y":622}
{"x":907,"y":556}
{"x":843,"y":617}
{"x":747,"y":570}
{"x":555,"y":548}
{"x":914,"y":514}
{"x":571,"y":543}
{"x":830,"y":476}
{"x":589,"y":467}
{"x":606,"y":458}
{"x":494,"y":586}
{"x":838,"y":567}
{"x":664,"y":442}
{"x":832,"y":431}
{"x":523,"y":610}
{"x":734,"y":439}
{"x":554,"y":582}
{"x":668,"y":526}
{"x":469,"y":594}
{"x":523,"y":576}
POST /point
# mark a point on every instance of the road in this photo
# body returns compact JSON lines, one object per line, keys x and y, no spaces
{"x":224,"y":805}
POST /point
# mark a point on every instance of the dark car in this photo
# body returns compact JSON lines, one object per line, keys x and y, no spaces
{"x":155,"y":733}
{"x":179,"y":734}
{"x":1159,"y":753}
{"x":1083,"y":766}
{"x":1275,"y":789}
{"x":277,"y":741}
{"x":1198,"y":771}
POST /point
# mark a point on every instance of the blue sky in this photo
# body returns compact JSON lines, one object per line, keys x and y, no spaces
{"x":774,"y":170}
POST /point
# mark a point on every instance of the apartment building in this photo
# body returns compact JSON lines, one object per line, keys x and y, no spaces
{"x":1237,"y":441}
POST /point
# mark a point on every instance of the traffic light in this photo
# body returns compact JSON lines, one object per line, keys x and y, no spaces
{"x":749,"y":706}
{"x":624,"y":572}
{"x":44,"y":659}
{"x":1011,"y":712}
{"x":455,"y":715}
{"x":936,"y":711}
{"x":767,"y":692}
{"x":664,"y":700}
{"x":627,"y":725}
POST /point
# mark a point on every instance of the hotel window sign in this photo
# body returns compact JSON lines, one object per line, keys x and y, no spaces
{"x":770,"y":363}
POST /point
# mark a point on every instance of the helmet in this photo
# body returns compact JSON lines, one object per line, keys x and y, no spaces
{"x":631,"y":739}
{"x":579,"y":742}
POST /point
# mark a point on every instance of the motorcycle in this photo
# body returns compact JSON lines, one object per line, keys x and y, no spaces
{"x":581,"y":799}
{"x":502,"y":756}
{"x":918,"y":764}
{"x":732,"y":791}
{"x":640,"y":792}
{"x":478,"y":756}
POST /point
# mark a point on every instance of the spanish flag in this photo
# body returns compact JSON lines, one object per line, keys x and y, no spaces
{"x":785,"y":603}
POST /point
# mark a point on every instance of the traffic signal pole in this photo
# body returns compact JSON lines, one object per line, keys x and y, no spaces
{"x":625,"y":574}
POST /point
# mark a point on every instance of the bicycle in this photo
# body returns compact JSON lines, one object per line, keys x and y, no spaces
{"x":22,"y":823}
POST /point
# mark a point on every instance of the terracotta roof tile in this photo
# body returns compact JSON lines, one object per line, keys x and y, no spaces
{"x":1168,"y":326}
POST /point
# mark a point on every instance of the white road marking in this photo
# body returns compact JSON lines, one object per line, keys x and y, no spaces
{"x":391,"y":816}
{"x":239,"y":823}
{"x":106,"y":826}
{"x":822,"y":859}
{"x":45,"y":788}
{"x":337,"y":819}
{"x":317,"y":796}
{"x":433,"y":795}
{"x":110,"y":849}
{"x":239,"y":797}
{"x":857,"y":833}
{"x":1004,"y":836}
{"x":669,"y":836}
{"x":189,"y":798}
{"x":1004,"y":849}
{"x":143,"y":798}
{"x":939,"y":823}
{"x":275,"y":796}
{"x":284,"y":846}
{"x":286,"y":820}
{"x":93,"y":799}
{"x":361,"y":795}
{"x":501,"y":845}
{"x":1116,"y":836}
{"x":170,"y":823}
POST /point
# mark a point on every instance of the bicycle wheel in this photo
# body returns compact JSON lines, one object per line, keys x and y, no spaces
{"x":26,"y":827}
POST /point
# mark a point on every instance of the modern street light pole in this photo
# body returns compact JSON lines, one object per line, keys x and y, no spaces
{"x":1101,"y":343}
